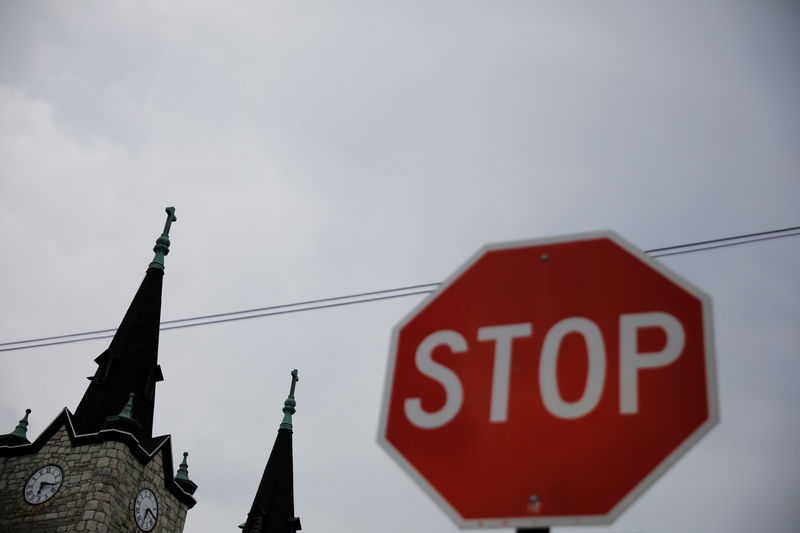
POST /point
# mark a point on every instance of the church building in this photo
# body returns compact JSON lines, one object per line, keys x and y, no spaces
{"x":100,"y":468}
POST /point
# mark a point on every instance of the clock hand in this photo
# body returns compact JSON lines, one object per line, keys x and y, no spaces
{"x":151,"y":513}
{"x":41,"y":486}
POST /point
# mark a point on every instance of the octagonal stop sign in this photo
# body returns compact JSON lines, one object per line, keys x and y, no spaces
{"x":549,"y":382}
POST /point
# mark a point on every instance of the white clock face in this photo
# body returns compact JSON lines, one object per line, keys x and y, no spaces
{"x":145,"y":510}
{"x":43,"y":484}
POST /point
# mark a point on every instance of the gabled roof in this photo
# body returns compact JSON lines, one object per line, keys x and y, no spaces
{"x":143,"y":451}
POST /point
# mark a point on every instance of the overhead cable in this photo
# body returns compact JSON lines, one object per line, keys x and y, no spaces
{"x":369,"y":296}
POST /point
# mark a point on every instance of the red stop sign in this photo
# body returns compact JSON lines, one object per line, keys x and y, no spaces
{"x":549,"y":382}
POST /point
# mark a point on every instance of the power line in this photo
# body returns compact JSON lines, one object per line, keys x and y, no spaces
{"x":287,"y":311}
{"x":726,"y":239}
{"x":336,"y":301}
{"x":370,"y":296}
{"x":725,"y":245}
{"x":232,"y":313}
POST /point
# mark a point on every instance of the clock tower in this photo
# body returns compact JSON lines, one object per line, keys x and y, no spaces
{"x":101,"y":469}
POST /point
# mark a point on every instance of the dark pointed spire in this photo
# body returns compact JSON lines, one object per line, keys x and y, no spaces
{"x":130,"y":364}
{"x":273,"y":507}
{"x":182,"y":477}
{"x":20,"y":433}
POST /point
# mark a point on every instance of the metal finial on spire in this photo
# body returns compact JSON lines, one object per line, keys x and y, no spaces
{"x":289,"y":404}
{"x":183,"y":469}
{"x":124,"y":420}
{"x":182,"y":477}
{"x":127,"y":409}
{"x":21,"y":430}
{"x":162,"y":243}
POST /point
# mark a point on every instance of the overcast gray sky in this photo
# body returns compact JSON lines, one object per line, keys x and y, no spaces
{"x":315,"y":150}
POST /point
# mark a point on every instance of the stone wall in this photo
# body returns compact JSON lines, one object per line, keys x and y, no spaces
{"x":100,"y":484}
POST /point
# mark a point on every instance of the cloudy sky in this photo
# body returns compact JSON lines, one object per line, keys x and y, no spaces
{"x":314,"y":150}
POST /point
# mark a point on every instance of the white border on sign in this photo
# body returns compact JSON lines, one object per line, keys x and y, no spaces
{"x":526,"y":521}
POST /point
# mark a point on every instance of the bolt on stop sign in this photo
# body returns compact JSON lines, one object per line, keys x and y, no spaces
{"x":549,"y":382}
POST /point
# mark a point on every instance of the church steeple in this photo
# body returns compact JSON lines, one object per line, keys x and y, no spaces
{"x":273,"y":507}
{"x":130,"y":364}
{"x":106,"y":451}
